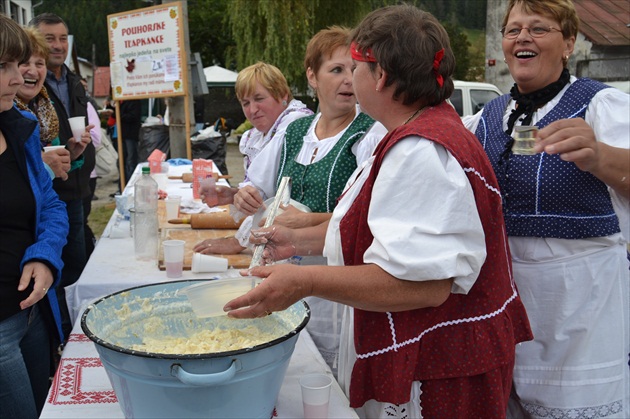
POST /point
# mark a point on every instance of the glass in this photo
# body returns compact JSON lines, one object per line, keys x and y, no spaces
{"x":524,"y":140}
{"x":512,"y":32}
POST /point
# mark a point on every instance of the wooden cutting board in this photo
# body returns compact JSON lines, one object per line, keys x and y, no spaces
{"x":192,"y":237}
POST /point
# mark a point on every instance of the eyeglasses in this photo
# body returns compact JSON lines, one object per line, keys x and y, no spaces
{"x":535,"y":31}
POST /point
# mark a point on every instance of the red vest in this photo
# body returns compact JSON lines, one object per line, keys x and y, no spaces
{"x":468,"y":334}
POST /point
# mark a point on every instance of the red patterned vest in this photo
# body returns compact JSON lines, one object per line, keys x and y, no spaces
{"x":468,"y":334}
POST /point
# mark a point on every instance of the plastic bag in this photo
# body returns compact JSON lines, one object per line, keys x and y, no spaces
{"x":106,"y":156}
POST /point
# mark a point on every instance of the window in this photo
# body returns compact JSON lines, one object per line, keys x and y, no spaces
{"x":456,"y":101}
{"x":479,"y":98}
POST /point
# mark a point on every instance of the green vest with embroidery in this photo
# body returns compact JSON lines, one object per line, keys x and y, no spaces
{"x":318,"y":185}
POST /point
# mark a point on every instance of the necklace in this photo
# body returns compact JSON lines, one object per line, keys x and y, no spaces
{"x":416,"y":113}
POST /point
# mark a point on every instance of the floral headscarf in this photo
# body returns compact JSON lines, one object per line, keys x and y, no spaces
{"x":41,"y":106}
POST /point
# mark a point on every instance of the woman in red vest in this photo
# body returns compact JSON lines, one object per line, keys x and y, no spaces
{"x":417,"y":243}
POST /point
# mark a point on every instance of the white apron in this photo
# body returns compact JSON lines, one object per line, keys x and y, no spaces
{"x":578,"y":310}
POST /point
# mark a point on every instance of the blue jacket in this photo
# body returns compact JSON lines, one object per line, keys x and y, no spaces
{"x":51,"y":225}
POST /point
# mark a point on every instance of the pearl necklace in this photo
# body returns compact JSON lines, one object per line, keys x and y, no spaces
{"x":416,"y":113}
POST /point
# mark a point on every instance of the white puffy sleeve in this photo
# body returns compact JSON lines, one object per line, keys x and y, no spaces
{"x":423,"y":217}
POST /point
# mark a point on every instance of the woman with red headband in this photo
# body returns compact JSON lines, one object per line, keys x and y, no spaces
{"x":416,"y":245}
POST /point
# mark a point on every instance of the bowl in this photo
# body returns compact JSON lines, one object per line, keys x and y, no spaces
{"x":242,"y":383}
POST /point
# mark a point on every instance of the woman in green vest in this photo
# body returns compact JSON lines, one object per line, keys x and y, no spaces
{"x":319,"y":153}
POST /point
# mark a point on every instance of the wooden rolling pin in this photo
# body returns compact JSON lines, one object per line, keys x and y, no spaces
{"x":188,"y":177}
{"x":217,"y":220}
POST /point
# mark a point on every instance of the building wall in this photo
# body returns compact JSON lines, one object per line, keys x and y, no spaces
{"x":18,"y":10}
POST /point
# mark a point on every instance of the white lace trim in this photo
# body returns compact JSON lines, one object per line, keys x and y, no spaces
{"x":396,"y":346}
{"x":602,"y":411}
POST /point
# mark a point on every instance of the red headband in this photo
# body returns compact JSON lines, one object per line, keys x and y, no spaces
{"x":361,"y":55}
{"x":436,"y":66}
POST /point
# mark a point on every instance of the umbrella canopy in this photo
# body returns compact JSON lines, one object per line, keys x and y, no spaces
{"x":217,"y":76}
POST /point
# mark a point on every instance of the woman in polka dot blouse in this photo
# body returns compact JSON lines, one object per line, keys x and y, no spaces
{"x":566,"y":211}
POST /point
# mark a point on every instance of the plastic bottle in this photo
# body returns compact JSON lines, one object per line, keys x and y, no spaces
{"x":146,"y":218}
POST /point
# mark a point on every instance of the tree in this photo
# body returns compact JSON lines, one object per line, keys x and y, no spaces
{"x":209,"y":31}
{"x":277,"y":32}
{"x":460,"y":46}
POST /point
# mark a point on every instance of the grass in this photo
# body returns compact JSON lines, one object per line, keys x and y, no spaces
{"x":99,"y":217}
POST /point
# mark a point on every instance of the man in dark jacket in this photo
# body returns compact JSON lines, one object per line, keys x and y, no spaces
{"x":69,"y":100}
{"x":130,"y":114}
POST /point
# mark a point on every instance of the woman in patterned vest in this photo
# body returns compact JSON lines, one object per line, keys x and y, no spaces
{"x":319,"y":153}
{"x":566,"y":211}
{"x":417,"y":244}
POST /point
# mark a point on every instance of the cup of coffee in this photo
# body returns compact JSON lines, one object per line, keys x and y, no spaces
{"x":77,"y":125}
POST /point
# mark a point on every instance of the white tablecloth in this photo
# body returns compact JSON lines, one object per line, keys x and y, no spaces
{"x":113,"y":266}
{"x":81,"y":388}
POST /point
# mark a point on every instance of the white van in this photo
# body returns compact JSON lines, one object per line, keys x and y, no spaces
{"x":469,"y":97}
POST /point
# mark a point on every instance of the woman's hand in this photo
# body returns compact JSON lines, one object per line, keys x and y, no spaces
{"x":291,"y":217}
{"x":284,"y":285}
{"x":222,"y":246}
{"x":77,"y":148}
{"x":574,"y":140}
{"x":279,"y":243}
{"x":224,"y":195}
{"x":247,"y":200}
{"x":42,"y":281}
{"x":58,"y":161}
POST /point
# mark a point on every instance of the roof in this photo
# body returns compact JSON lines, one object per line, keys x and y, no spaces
{"x":219,"y":76}
{"x":604,"y":22}
{"x":101,"y":82}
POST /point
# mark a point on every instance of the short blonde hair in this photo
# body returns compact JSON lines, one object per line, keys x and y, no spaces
{"x":39,"y":46}
{"x":269,"y":76}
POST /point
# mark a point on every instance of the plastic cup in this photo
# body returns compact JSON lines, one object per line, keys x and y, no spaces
{"x":53,"y":148}
{"x":315,"y":395}
{"x":174,"y":257}
{"x":172,"y":203}
{"x":122,"y":204}
{"x":208,"y":188}
{"x":208,"y":263}
{"x":77,"y":125}
{"x":161,"y":179}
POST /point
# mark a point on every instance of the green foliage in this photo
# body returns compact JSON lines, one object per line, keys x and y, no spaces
{"x":277,"y":32}
{"x":477,"y":52}
{"x":237,"y":33}
{"x":459,"y":45}
{"x":209,"y":31}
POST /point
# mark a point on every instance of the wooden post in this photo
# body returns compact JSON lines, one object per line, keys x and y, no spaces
{"x":121,"y":146}
{"x":180,"y":115}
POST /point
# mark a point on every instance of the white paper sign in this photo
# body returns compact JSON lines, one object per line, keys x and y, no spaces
{"x":147,"y":52}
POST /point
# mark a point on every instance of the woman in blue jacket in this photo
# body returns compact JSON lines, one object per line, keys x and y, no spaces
{"x":33,"y":229}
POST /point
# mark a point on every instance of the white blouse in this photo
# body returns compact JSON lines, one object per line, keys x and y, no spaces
{"x":253,"y":141}
{"x":422,"y":215}
{"x":263,"y":171}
